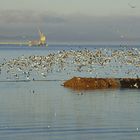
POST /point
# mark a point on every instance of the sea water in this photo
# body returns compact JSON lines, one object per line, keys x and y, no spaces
{"x":45,"y":110}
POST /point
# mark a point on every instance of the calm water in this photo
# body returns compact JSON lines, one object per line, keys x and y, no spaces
{"x":45,"y":110}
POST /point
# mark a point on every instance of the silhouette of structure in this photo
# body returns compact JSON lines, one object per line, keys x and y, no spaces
{"x":40,"y":42}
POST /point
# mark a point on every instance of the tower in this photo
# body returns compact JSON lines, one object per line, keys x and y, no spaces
{"x":42,"y":40}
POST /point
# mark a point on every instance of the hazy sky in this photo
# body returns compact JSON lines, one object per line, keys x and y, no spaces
{"x":81,"y":21}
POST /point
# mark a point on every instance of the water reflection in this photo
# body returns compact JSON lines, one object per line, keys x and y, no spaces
{"x":59,"y":113}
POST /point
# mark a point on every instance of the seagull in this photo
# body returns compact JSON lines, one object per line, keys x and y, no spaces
{"x":136,"y":85}
{"x":132,"y":6}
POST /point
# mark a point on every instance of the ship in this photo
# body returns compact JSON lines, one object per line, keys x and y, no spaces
{"x":42,"y":41}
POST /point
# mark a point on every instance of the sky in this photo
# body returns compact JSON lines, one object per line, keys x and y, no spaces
{"x":71,"y":21}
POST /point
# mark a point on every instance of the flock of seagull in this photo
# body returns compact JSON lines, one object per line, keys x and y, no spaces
{"x":101,"y":62}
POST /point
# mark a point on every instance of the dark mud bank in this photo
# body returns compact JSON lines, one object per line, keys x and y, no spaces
{"x":83,"y":83}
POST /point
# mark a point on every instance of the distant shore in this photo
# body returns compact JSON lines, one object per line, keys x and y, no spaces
{"x":13,"y":43}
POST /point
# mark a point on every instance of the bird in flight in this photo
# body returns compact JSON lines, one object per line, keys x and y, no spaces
{"x":132,"y":6}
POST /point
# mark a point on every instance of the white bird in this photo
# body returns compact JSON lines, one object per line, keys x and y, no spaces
{"x":136,"y":85}
{"x":49,"y":126}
